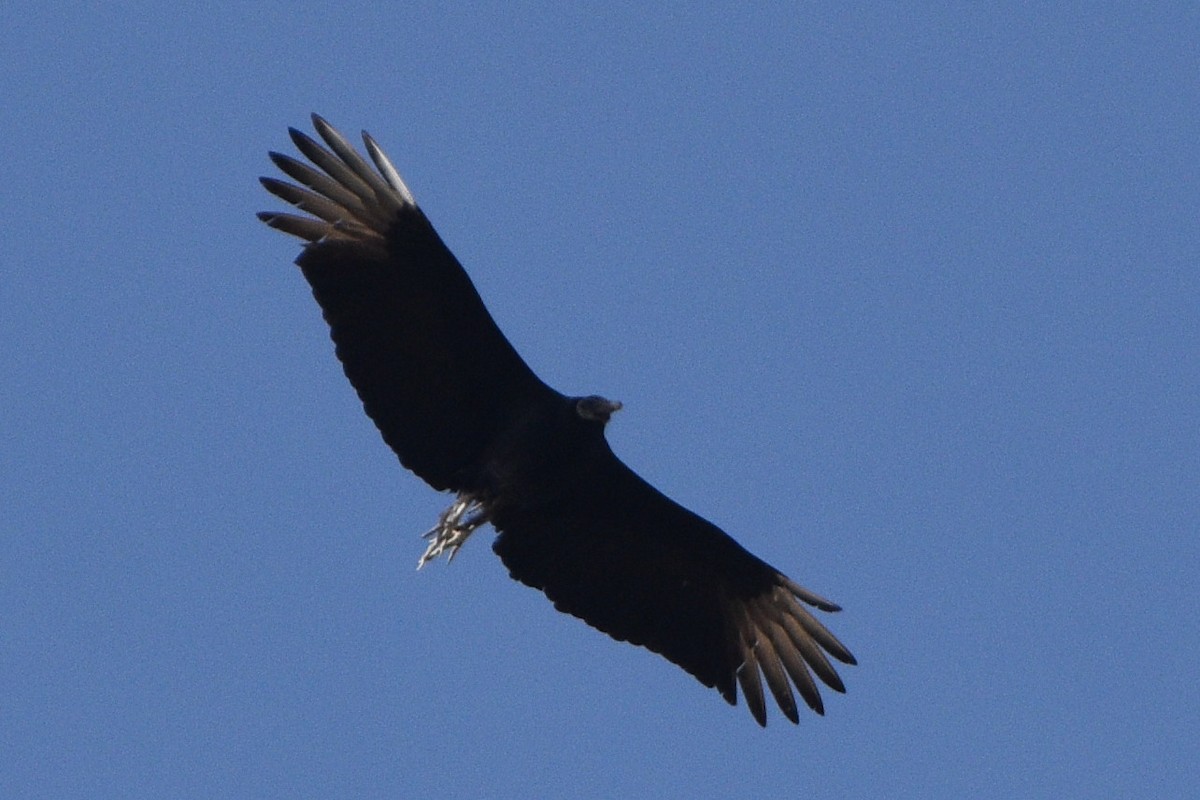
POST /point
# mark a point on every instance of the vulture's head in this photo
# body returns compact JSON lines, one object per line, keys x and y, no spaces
{"x":596,"y":408}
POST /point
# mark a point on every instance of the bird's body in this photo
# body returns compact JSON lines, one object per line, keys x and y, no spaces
{"x":463,"y":411}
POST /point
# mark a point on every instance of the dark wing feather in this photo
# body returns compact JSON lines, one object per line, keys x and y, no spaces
{"x":615,"y":552}
{"x":433,"y":370}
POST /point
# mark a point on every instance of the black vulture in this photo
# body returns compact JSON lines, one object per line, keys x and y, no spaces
{"x":463,"y":411}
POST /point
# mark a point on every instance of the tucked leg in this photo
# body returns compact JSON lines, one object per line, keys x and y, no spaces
{"x":454,"y":527}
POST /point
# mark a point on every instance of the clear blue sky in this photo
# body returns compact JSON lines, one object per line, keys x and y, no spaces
{"x":907,"y":301}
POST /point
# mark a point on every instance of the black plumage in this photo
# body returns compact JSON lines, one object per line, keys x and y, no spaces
{"x":464,"y":412}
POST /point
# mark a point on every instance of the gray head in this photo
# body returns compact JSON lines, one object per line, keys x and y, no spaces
{"x":596,"y":408}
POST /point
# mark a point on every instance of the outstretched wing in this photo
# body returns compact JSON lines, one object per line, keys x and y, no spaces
{"x":617,"y":553}
{"x":430,"y":365}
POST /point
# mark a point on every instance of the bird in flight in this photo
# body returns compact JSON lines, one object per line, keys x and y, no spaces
{"x":463,"y":411}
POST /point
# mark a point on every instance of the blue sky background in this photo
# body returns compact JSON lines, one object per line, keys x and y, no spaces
{"x":905,"y":299}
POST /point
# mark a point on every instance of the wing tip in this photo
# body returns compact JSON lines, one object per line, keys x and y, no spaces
{"x":341,"y":190}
